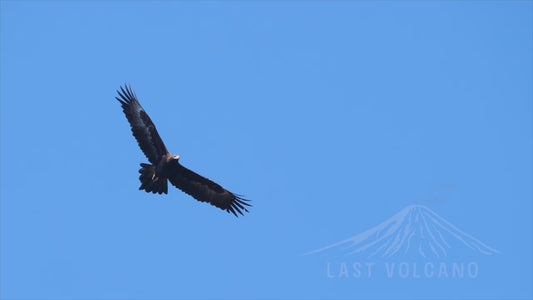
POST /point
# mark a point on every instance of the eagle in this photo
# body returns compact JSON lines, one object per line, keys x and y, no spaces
{"x":165,"y":166}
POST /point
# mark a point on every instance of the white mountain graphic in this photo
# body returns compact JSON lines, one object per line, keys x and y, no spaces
{"x":415,"y":230}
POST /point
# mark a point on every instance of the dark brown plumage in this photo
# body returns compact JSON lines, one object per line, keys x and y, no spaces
{"x":165,"y":166}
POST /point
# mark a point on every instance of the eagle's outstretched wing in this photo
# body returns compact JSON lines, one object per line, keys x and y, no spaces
{"x":142,"y":127}
{"x":205,"y":190}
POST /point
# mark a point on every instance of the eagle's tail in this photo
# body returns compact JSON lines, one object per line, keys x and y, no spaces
{"x":150,"y":182}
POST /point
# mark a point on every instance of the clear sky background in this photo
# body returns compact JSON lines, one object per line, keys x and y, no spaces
{"x":330,"y":116}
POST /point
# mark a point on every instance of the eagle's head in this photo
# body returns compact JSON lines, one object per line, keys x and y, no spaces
{"x":176,"y":157}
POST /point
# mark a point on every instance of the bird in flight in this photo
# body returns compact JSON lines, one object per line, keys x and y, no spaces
{"x":165,"y":166}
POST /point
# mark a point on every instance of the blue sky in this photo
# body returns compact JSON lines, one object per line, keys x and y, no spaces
{"x":330,"y":116}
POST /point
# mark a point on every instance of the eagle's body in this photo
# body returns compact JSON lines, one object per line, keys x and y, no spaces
{"x":165,"y":167}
